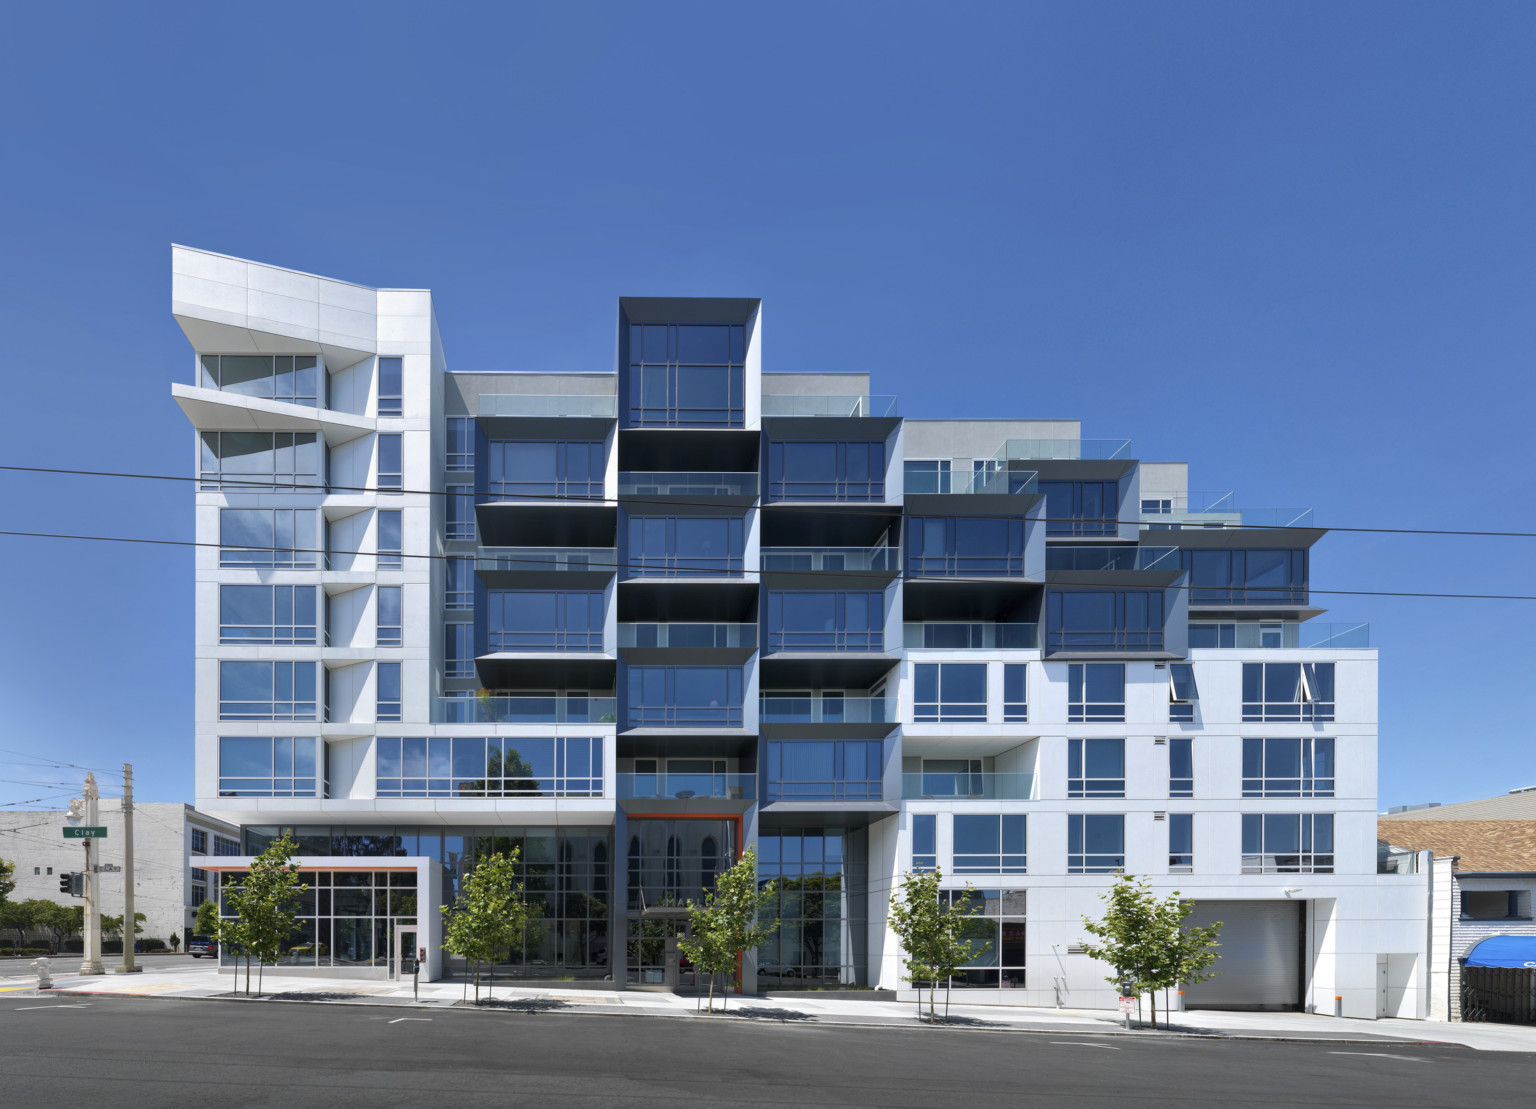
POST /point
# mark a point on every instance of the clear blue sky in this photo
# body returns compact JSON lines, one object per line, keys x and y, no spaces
{"x":1290,"y":243}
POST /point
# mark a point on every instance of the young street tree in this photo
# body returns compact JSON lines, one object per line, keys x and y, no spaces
{"x":267,"y":903}
{"x":1146,"y":943}
{"x":729,"y":922}
{"x":207,"y":923}
{"x":932,"y":926}
{"x":7,"y":879}
{"x":490,"y":914}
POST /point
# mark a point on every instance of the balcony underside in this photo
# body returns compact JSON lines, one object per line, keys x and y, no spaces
{"x":654,"y":743}
{"x":1120,"y":579}
{"x":972,"y":504}
{"x":685,"y":806}
{"x":831,"y":524}
{"x":213,"y":410}
{"x":850,"y":428}
{"x":687,"y":656}
{"x":571,"y":523}
{"x":551,"y":670}
{"x":851,"y":814}
{"x":951,"y":599}
{"x":1201,"y":612}
{"x":829,"y":670}
{"x":828,"y":729}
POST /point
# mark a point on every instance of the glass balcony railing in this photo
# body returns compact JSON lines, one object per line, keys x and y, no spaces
{"x":507,"y":404}
{"x":1205,"y":508}
{"x":682,"y":787}
{"x":1266,"y":634}
{"x":877,"y":559}
{"x":940,"y":635}
{"x":967,"y":787}
{"x":1101,"y":449}
{"x":787,"y":405}
{"x":990,"y":479}
{"x":536,"y":559}
{"x":685,"y":484}
{"x":1111,"y":558}
{"x":525,"y":709}
{"x":685,"y":634}
{"x":778,"y":709}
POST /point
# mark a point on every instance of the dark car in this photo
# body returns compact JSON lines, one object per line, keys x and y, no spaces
{"x":198,"y":946}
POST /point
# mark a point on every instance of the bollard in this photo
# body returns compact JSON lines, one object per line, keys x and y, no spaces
{"x":44,"y":979}
{"x":1179,"y":1001}
{"x":1338,"y":1006}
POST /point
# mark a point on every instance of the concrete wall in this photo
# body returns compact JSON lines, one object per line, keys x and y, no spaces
{"x":161,"y":849}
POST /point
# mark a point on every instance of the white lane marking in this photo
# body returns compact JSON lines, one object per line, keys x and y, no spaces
{"x":397,"y":1020}
{"x":1080,"y":1043}
{"x":35,"y":1008}
{"x":1382,"y":1055}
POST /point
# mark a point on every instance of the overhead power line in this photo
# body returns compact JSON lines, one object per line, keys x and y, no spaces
{"x":814,"y":575}
{"x":842,"y":508}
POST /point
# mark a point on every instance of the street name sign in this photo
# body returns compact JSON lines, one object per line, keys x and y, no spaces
{"x":86,"y":831}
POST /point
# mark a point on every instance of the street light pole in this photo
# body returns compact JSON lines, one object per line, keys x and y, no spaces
{"x":129,"y":966}
{"x":91,"y":963}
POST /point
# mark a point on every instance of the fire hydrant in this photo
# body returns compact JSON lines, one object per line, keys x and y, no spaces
{"x":44,"y":979}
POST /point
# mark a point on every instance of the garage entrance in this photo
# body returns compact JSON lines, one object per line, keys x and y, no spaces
{"x":1261,"y":955}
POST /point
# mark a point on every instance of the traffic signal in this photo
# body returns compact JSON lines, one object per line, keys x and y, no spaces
{"x":66,"y":883}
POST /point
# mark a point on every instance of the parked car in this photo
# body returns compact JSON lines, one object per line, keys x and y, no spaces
{"x":307,"y":949}
{"x":777,"y":969}
{"x":198,"y":946}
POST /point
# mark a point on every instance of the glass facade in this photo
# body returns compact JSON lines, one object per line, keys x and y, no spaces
{"x":1095,"y":768}
{"x":291,"y":378}
{"x":544,"y":620}
{"x":251,"y":461}
{"x":272,"y":766}
{"x":1288,"y":692}
{"x":1096,"y":692}
{"x":567,"y":877}
{"x":821,"y":877}
{"x":1288,"y":767}
{"x":536,"y":469}
{"x":1081,"y":507}
{"x":1105,"y":620}
{"x":995,"y":934}
{"x":826,"y":471}
{"x":280,"y":615}
{"x":944,"y":692}
{"x":268,"y":538}
{"x":687,"y":375}
{"x":1287,"y":843}
{"x":825,"y":770}
{"x":1248,"y":577}
{"x":685,"y":696}
{"x":815,"y":620}
{"x":1095,"y":843}
{"x":267,"y":691}
{"x":685,"y":546}
{"x":501,"y":766}
{"x":986,"y":843}
{"x":981,"y":546}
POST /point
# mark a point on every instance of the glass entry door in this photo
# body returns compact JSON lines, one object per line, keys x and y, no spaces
{"x":403,"y":952}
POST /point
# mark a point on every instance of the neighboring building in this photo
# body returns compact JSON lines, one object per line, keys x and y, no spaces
{"x":1483,"y":885}
{"x":167,"y":839}
{"x":634,"y":620}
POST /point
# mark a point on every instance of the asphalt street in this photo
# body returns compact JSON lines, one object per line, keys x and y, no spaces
{"x":158,"y":1052}
{"x":68,"y":964}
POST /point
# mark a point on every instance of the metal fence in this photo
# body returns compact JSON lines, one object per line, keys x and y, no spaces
{"x":1506,"y":995}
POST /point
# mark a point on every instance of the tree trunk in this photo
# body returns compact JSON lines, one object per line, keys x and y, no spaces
{"x":247,"y":976}
{"x":261,"y":970}
{"x":932,"y":985}
{"x":710,"y":1008}
{"x":1153,"y":995}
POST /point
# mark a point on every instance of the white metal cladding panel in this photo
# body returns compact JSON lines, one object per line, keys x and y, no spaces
{"x":1260,"y":955}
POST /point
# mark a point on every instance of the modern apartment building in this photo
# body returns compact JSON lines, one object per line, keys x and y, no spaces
{"x":635,"y":620}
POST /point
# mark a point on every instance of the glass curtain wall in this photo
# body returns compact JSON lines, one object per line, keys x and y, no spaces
{"x":821,"y":877}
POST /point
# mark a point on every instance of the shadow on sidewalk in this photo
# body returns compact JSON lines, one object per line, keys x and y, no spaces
{"x":519,"y":1005}
{"x":759,"y":1013}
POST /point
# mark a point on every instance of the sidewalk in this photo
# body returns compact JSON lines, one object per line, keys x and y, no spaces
{"x":200,"y":983}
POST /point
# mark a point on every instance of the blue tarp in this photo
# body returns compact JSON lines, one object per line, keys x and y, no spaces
{"x":1504,"y":951}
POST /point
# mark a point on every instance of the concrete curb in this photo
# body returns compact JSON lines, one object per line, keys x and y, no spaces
{"x":808,"y":1021}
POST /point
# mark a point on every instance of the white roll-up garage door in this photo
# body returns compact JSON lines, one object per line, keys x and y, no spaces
{"x":1260,"y":964}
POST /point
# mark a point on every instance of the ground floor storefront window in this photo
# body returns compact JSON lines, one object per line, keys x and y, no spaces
{"x":567,"y":875}
{"x":821,"y":878}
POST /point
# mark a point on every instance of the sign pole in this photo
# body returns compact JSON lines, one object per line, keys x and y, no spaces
{"x":91,"y":963}
{"x":129,"y":966}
